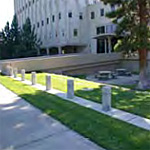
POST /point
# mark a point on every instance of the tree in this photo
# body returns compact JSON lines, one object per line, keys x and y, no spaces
{"x":6,"y":51}
{"x":15,"y":36}
{"x":10,"y":39}
{"x":29,"y":39}
{"x":132,"y":18}
{"x":16,"y":42}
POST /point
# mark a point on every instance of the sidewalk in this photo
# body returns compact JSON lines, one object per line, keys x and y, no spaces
{"x":23,"y":127}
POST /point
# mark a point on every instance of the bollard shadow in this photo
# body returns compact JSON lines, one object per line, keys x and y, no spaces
{"x":126,"y":100}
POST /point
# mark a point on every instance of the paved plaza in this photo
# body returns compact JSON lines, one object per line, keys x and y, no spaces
{"x":120,"y":80}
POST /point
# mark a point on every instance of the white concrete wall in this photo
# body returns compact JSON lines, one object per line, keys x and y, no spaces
{"x":67,"y":61}
{"x":82,"y":62}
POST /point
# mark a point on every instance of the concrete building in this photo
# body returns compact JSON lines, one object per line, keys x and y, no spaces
{"x":69,"y":26}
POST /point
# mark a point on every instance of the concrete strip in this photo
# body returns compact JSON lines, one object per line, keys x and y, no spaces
{"x":115,"y":113}
{"x":24,"y":127}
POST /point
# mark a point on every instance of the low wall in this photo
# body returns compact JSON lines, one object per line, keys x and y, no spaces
{"x":74,"y":64}
{"x":65,"y":63}
{"x":132,"y":63}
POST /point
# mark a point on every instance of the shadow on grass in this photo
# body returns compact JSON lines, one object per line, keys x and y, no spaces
{"x":105,"y":131}
{"x":130,"y":101}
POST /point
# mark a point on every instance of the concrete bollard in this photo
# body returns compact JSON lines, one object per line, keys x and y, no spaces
{"x":70,"y":89}
{"x":23,"y":74}
{"x":48,"y":82}
{"x":8,"y":70}
{"x":15,"y":72}
{"x":33,"y":78}
{"x":106,"y":98}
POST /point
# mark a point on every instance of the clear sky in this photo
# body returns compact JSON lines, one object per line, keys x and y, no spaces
{"x":6,"y":12}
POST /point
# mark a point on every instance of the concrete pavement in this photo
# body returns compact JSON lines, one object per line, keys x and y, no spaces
{"x":23,"y":127}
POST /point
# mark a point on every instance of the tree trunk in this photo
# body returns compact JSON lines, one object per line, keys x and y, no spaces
{"x":143,"y":81}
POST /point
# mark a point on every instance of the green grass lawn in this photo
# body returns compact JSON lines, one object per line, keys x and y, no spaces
{"x":124,"y":99}
{"x":107,"y":132}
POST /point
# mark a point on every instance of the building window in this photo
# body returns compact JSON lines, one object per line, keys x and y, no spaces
{"x":38,"y":25}
{"x":81,"y":16}
{"x":59,"y":16}
{"x":70,"y":14}
{"x":102,"y":12}
{"x":63,"y":34}
{"x":75,"y":32}
{"x":100,"y":30}
{"x":42,"y":23}
{"x":29,"y":3}
{"x":92,"y":15}
{"x":47,"y":20}
{"x":53,"y":18}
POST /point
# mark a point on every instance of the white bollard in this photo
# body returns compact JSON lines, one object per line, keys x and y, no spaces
{"x":8,"y":70}
{"x":15,"y":72}
{"x":33,"y":78}
{"x":23,"y":74}
{"x":48,"y":82}
{"x":70,"y":89}
{"x":106,"y":98}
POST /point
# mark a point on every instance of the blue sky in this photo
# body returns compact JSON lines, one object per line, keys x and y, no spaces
{"x":6,"y":12}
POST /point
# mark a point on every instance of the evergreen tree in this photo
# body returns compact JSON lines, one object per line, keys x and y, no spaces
{"x":132,"y":18}
{"x":6,"y":49}
{"x":15,"y":36}
{"x":10,"y":39}
{"x":18,"y":42}
{"x":15,"y":33}
{"x":30,"y":42}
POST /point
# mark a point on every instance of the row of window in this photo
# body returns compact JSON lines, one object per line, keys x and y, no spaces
{"x":102,"y":13}
{"x":27,"y":4}
{"x":106,"y":29}
{"x":70,"y":16}
{"x":75,"y":33}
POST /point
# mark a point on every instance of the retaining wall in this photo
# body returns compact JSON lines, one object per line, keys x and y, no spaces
{"x":65,"y":63}
{"x":74,"y":64}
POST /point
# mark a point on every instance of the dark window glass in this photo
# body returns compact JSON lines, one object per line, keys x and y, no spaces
{"x":70,"y":14}
{"x":53,"y":18}
{"x":42,"y":23}
{"x":47,"y":20}
{"x":102,"y":12}
{"x":38,"y":25}
{"x":101,"y":30}
{"x":81,"y":16}
{"x":75,"y":32}
{"x":59,"y":15}
{"x":92,"y":15}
